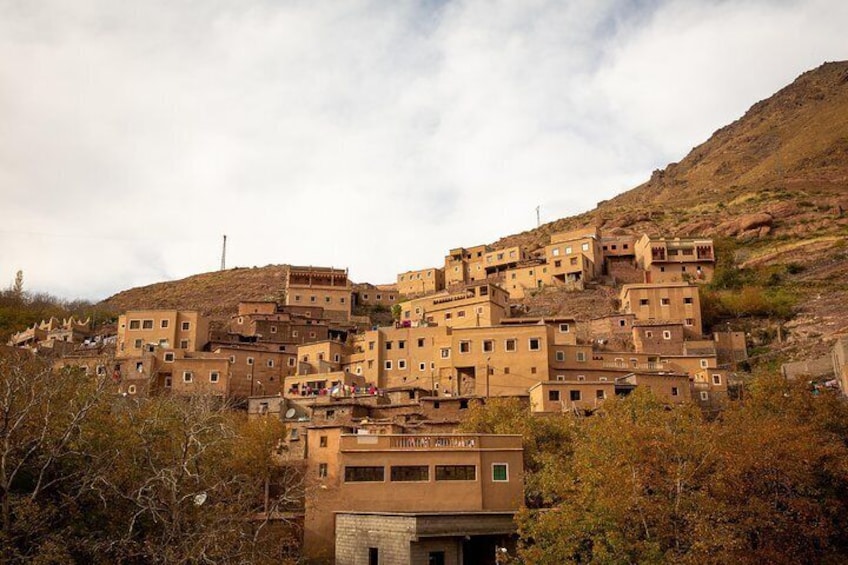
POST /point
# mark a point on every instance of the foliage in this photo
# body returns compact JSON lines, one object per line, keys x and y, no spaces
{"x":766,"y":483}
{"x":89,"y":477}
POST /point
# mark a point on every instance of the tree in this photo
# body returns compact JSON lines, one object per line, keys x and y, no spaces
{"x":18,"y":287}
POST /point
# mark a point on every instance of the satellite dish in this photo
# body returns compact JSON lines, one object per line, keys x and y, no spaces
{"x":290,"y":413}
{"x":199,"y":499}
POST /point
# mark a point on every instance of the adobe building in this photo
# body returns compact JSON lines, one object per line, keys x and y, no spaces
{"x":365,"y":294}
{"x":421,"y":282}
{"x":672,"y":301}
{"x":410,"y":498}
{"x":47,"y":332}
{"x":476,"y":304}
{"x":574,"y":256}
{"x":168,"y":329}
{"x":326,"y":287}
{"x":256,"y":369}
{"x":465,"y":265}
{"x":555,"y":397}
{"x":658,"y":336}
{"x":675,"y":259}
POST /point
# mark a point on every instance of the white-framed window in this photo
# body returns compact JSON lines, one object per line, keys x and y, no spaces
{"x":167,"y":382}
{"x":137,"y":344}
{"x":294,"y":333}
{"x":135,"y":324}
{"x":560,"y":378}
{"x":147,"y":324}
{"x":358,"y":370}
{"x":388,"y":365}
{"x":250,"y":360}
{"x":560,"y":355}
{"x":131,"y":389}
{"x":500,"y":472}
{"x":422,"y":366}
{"x":704,"y":363}
{"x":169,"y":357}
{"x":214,"y":376}
{"x":164,"y":324}
{"x":568,"y":250}
{"x":187,"y":376}
{"x":690,"y":321}
{"x":510,"y":344}
{"x":564,"y":328}
{"x":666,"y":334}
{"x":273,"y":329}
{"x":465,"y":346}
{"x":401,"y":364}
{"x":705,"y":395}
{"x":716,"y":379}
{"x":585,"y":247}
{"x":183,"y":344}
{"x":291,"y":362}
{"x":488,"y":345}
{"x":581,"y":356}
{"x":444,"y":352}
{"x":270,"y":363}
{"x":555,"y":251}
{"x":186,"y":326}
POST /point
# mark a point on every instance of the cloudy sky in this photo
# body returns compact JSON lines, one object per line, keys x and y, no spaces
{"x":369,"y":135}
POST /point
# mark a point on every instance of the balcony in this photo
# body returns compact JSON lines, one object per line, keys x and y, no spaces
{"x":429,"y":442}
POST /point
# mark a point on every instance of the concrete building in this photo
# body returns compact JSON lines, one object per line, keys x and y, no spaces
{"x":675,"y":259}
{"x":320,"y":286}
{"x":420,"y":283}
{"x":476,"y":304}
{"x":167,"y":329}
{"x":453,"y":496}
{"x":672,"y":301}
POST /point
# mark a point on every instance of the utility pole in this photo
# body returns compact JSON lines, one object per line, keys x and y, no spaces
{"x":224,"y":255}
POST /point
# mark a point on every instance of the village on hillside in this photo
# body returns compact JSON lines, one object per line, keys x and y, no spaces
{"x":372,"y":412}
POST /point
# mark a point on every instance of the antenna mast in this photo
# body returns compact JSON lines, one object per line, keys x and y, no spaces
{"x":538,"y":218}
{"x":224,"y":255}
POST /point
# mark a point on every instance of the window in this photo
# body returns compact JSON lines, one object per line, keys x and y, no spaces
{"x":401,"y":364}
{"x":183,"y":344}
{"x":506,"y":370}
{"x":297,"y":298}
{"x":716,"y":379}
{"x":291,"y":362}
{"x":135,"y":324}
{"x":444,"y":352}
{"x":131,"y":389}
{"x":420,"y":342}
{"x":388,"y":346}
{"x":137,"y":344}
{"x":422,"y":366}
{"x":250,"y":360}
{"x":463,"y":404}
{"x":187,"y":376}
{"x":705,"y":395}
{"x":456,"y":473}
{"x":666,"y":334}
{"x":186,"y":326}
{"x":664,"y":302}
{"x":564,"y":328}
{"x":500,"y":472}
{"x":704,"y":363}
{"x":555,"y":252}
{"x":674,"y":391}
{"x":643,"y":302}
{"x":649,"y":334}
{"x":560,"y":378}
{"x":568,"y":250}
{"x":585,"y":247}
{"x":370,"y":346}
{"x":294,"y":333}
{"x":214,"y":376}
{"x":690,"y":321}
{"x":164,"y":324}
{"x":600,"y":394}
{"x":147,"y":324}
{"x":574,"y":395}
{"x":581,"y":356}
{"x":553,"y":395}
{"x":510,"y":344}
{"x":410,"y":473}
{"x":687,"y":300}
{"x":273,"y":329}
{"x":169,"y":357}
{"x":535,"y":344}
{"x":560,"y":355}
{"x":460,"y":314}
{"x":322,"y":441}
{"x":322,"y":470}
{"x":312,"y":299}
{"x":465,"y":347}
{"x":401,"y":344}
{"x":167,"y":382}
{"x":388,"y":365}
{"x":364,"y":474}
{"x":327,"y":299}
{"x":488,"y":345}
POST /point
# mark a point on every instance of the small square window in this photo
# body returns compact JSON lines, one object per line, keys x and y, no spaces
{"x":560,"y":355}
{"x":500,"y":472}
{"x":187,"y":376}
{"x":401,"y":364}
{"x":574,"y":395}
{"x":510,"y":344}
{"x":465,"y":347}
{"x":388,"y":365}
{"x":250,"y":360}
{"x":164,"y":324}
{"x":553,"y":395}
{"x":186,"y":326}
{"x":135,"y":324}
{"x":147,"y":325}
{"x":322,"y":441}
{"x":716,"y":379}
{"x":444,"y":352}
{"x":183,"y":344}
{"x":169,"y":357}
{"x":214,"y":376}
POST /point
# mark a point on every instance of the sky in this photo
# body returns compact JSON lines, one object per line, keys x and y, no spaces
{"x":372,"y":135}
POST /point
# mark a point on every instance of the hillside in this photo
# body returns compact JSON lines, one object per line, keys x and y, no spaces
{"x":216,"y":293}
{"x":772,"y":187}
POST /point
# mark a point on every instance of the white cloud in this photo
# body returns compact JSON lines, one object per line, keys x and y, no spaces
{"x":365,"y":134}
